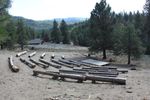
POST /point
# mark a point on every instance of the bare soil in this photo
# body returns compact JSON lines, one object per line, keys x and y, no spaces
{"x":24,"y":86}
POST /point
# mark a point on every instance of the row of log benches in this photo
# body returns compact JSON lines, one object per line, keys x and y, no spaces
{"x":86,"y":72}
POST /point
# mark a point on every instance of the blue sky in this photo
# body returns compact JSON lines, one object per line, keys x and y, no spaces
{"x":49,"y":9}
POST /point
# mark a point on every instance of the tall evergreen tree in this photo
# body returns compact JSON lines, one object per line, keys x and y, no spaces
{"x":11,"y":30}
{"x":4,"y":5}
{"x":64,"y":32}
{"x":147,"y":25}
{"x":55,"y":34}
{"x":132,"y":45}
{"x":22,"y":37}
{"x":101,"y":27}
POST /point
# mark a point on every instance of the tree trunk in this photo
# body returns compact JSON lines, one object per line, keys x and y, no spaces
{"x":21,"y":46}
{"x":1,"y":46}
{"x":129,"y":49}
{"x":104,"y":53}
{"x":129,"y":58}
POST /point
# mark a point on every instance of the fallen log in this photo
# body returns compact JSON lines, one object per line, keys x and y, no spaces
{"x":70,"y":63}
{"x":43,"y":55}
{"x":50,"y":64}
{"x":21,"y":53}
{"x":39,"y":64}
{"x":11,"y":65}
{"x":32,"y":54}
{"x":31,"y":65}
{"x":60,"y":63}
{"x":116,"y":80}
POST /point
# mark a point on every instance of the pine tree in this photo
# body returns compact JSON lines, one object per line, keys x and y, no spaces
{"x":147,"y":25}
{"x":11,"y":30}
{"x":22,"y":37}
{"x":64,"y":32}
{"x":55,"y":34}
{"x":4,"y":5}
{"x":101,"y":28}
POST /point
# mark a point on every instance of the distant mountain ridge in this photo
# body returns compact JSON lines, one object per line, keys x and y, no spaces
{"x":47,"y":24}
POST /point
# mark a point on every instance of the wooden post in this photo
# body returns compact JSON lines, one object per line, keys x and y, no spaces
{"x":50,"y":64}
{"x":38,"y":63}
{"x":11,"y":65}
{"x":21,"y":53}
{"x":43,"y":55}
{"x":32,"y":54}
{"x":31,"y":65}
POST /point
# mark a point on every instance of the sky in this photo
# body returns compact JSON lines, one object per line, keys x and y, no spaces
{"x":50,"y":9}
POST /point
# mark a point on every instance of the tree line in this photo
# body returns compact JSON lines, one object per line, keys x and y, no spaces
{"x":122,"y":33}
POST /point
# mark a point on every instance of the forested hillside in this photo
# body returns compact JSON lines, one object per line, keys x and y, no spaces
{"x":45,"y":24}
{"x":122,"y":33}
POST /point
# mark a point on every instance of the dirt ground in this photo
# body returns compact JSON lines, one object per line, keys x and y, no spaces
{"x":24,"y":86}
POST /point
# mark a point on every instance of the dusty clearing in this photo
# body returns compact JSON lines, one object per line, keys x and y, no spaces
{"x":24,"y":86}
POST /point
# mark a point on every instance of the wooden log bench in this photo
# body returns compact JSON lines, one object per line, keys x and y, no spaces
{"x":21,"y":53}
{"x":31,"y":65}
{"x":39,"y":64}
{"x":116,"y":80}
{"x":68,"y":62}
{"x":82,"y":78}
{"x":50,"y":64}
{"x":11,"y":64}
{"x":32,"y":54}
{"x":107,"y":69}
{"x":72,"y":72}
{"x":99,"y":72}
{"x":62,"y":76}
{"x":63,"y":64}
{"x":43,"y":55}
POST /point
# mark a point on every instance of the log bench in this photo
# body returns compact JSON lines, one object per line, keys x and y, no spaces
{"x":50,"y":64}
{"x":31,"y":65}
{"x":81,"y":78}
{"x":21,"y":53}
{"x":39,"y":64}
{"x":32,"y":54}
{"x":11,"y":64}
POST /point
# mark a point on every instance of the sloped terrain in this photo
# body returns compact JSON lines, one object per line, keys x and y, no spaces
{"x":24,"y":86}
